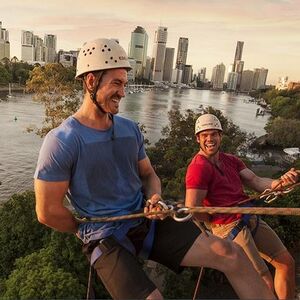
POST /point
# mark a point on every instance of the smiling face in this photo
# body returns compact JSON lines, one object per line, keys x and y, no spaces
{"x":112,"y":90}
{"x":210,"y":141}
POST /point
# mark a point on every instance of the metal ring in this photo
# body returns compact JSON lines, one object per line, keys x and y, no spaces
{"x":163,"y":205}
{"x":263,"y":194}
{"x":288,"y":190}
{"x":269,"y":199}
{"x":182,"y":219}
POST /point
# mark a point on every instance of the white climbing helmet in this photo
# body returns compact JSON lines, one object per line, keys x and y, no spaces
{"x":206,"y":122}
{"x":101,"y":54}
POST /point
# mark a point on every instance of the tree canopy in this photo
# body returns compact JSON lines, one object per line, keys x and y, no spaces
{"x":54,"y":86}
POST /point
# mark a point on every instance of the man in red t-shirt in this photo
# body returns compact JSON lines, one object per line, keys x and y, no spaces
{"x":216,"y":179}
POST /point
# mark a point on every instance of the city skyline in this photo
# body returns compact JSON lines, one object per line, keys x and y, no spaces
{"x":269,"y":28}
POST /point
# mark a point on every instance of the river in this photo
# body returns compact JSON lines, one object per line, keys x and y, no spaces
{"x":19,"y":149}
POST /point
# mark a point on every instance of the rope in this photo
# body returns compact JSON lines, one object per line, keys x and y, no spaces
{"x":278,"y":190}
{"x":284,"y":211}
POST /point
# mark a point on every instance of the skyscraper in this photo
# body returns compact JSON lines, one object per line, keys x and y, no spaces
{"x":27,"y":46}
{"x":187,"y":74}
{"x":217,"y":78}
{"x":202,"y":74}
{"x":259,"y":78}
{"x":138,"y":49}
{"x":247,"y":81}
{"x":183,"y":45}
{"x":168,"y":65}
{"x":50,"y":44}
{"x":4,"y":43}
{"x":232,"y":81}
{"x":238,"y":53}
{"x":238,"y":64}
{"x":159,"y":51}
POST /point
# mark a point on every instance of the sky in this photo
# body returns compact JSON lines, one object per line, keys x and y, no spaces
{"x":270,"y":29}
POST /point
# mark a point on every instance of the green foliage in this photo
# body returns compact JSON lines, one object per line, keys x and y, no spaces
{"x":54,"y":86}
{"x":171,"y":154}
{"x":286,"y":107}
{"x":37,"y":262}
{"x":20,"y":232}
{"x":283,"y":132}
{"x":36,"y":277}
{"x":5,"y":76}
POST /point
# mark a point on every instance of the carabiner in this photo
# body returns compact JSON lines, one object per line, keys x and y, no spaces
{"x":182,"y":219}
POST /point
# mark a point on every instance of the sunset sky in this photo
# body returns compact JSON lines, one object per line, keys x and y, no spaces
{"x":269,"y":28}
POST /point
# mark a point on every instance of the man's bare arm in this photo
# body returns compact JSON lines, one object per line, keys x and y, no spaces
{"x":49,"y":206}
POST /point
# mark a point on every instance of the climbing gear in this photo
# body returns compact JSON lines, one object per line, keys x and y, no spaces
{"x":283,"y":211}
{"x":243,"y":222}
{"x":267,"y":194}
{"x":207,"y":122}
{"x":101,"y":54}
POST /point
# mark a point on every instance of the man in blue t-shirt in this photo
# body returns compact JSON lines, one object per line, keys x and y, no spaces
{"x":97,"y":159}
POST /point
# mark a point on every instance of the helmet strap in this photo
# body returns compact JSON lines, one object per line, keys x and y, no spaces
{"x":93,"y":91}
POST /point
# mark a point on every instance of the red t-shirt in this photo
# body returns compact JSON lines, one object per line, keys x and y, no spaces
{"x":224,"y":186}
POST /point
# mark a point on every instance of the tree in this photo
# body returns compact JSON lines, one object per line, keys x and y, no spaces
{"x":54,"y":86}
{"x":35,"y":277}
{"x":20,"y":232}
{"x":5,"y":76}
{"x":283,"y":132}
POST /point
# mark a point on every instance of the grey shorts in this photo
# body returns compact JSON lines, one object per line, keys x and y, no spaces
{"x":264,"y":245}
{"x":122,"y":272}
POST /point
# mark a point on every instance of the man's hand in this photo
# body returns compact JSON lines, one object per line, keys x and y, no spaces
{"x":152,"y":205}
{"x":290,"y":177}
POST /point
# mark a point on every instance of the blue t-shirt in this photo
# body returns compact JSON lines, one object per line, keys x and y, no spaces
{"x":102,"y":168}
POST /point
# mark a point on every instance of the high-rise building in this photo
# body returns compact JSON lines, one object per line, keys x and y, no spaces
{"x":183,"y":45}
{"x":4,"y":43}
{"x":202,"y":74}
{"x":168,"y":64}
{"x":50,"y":44}
{"x":247,"y":81}
{"x":159,"y":51}
{"x":217,"y":78}
{"x":27,"y":46}
{"x":238,"y":64}
{"x":187,"y":74}
{"x":176,"y":76}
{"x":39,"y":48}
{"x":147,"y":71}
{"x":138,"y":49}
{"x":238,"y":53}
{"x":232,"y":81}
{"x":259,"y":78}
{"x":131,"y":73}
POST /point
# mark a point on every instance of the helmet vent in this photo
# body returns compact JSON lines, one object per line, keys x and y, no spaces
{"x":106,"y":62}
{"x":105,"y":46}
{"x":116,"y":61}
{"x":108,"y":49}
